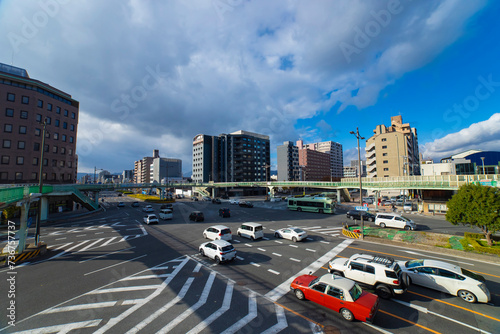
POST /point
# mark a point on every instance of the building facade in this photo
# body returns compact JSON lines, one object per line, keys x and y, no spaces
{"x":465,"y":163}
{"x":165,"y":169}
{"x":288,"y":162}
{"x":142,"y":168}
{"x":393,"y":150}
{"x":314,"y":165}
{"x":240,"y":156}
{"x":30,"y":109}
{"x":336,"y":156}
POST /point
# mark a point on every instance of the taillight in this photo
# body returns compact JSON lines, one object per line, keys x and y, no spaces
{"x":220,"y":234}
{"x":396,"y":282}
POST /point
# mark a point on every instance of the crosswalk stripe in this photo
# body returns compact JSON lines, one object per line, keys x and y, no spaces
{"x":69,"y":249}
{"x":63,"y":328}
{"x":126,"y":288}
{"x":252,"y":314}
{"x":107,"y":242}
{"x":282,"y":323}
{"x":88,"y":246}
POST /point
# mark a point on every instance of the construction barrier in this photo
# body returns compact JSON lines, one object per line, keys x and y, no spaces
{"x":27,"y":254}
{"x":350,"y":234}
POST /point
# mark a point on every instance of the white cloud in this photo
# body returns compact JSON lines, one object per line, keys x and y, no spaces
{"x":220,"y":64}
{"x":483,"y":136}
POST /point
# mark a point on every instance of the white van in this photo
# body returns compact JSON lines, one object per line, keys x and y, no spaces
{"x":394,"y":220}
{"x":251,"y":230}
{"x":166,"y":214}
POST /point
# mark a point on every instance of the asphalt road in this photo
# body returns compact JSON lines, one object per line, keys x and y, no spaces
{"x":108,"y":272}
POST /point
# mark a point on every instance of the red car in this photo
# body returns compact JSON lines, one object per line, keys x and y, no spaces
{"x":339,"y":294}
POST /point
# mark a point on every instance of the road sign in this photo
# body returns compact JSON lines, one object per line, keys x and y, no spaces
{"x":362,"y":208}
{"x":30,"y":220}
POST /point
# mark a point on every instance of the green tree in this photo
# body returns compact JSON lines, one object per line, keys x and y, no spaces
{"x":476,"y":205}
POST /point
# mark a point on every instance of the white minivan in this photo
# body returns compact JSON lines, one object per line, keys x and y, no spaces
{"x":166,"y":214}
{"x":384,"y":219}
{"x":251,"y":230}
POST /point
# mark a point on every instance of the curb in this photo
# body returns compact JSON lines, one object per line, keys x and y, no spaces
{"x":30,"y":252}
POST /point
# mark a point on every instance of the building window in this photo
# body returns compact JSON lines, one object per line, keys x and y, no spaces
{"x":5,"y":159}
{"x":72,"y":127}
{"x":65,"y":125}
{"x":58,"y":110}
{"x":386,"y":169}
{"x":4,"y":176}
{"x":40,"y":104}
{"x":56,"y":123}
{"x":385,"y":161}
{"x":56,"y":136}
{"x":7,"y":128}
{"x":23,"y":129}
{"x":39,"y":118}
{"x":63,"y":150}
{"x":61,"y":163}
{"x":384,"y":139}
{"x":49,"y":120}
{"x":36,"y":147}
{"x":54,"y":149}
{"x":24,"y":114}
{"x":21,"y":145}
{"x":11,"y":97}
{"x":35,"y":162}
{"x":45,"y":163}
{"x":384,"y":147}
{"x":6,"y":143}
{"x":46,"y":148}
{"x":66,"y":112}
{"x":63,"y":138}
{"x":49,"y":106}
{"x":9,"y":112}
{"x":71,"y":139}
{"x":54,"y":164}
{"x":20,"y":161}
{"x":34,"y":175}
{"x":26,"y":100}
{"x":19,"y":176}
{"x":38,"y":132}
{"x":73,"y":115}
{"x":384,"y":154}
{"x":70,"y":151}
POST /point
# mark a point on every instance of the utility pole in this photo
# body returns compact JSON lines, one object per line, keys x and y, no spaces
{"x":358,"y":137}
{"x":40,"y":186}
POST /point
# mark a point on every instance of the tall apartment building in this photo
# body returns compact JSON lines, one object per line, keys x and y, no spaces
{"x":393,"y":150}
{"x":336,"y":157}
{"x":240,"y":156}
{"x":288,"y":162}
{"x":142,"y":168}
{"x":353,"y":169}
{"x":26,"y":104}
{"x":128,"y":176}
{"x":314,"y":165}
{"x":163,"y":169}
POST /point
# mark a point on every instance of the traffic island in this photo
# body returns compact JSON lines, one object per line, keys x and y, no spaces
{"x":353,"y":232}
{"x":31,"y":251}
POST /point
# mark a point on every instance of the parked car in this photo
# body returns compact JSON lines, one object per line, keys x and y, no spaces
{"x":234,"y":201}
{"x":218,"y":250}
{"x":245,"y":204}
{"x":150,"y":219}
{"x":218,"y":232}
{"x":224,"y":212}
{"x":368,"y":200}
{"x":148,"y":208}
{"x":338,"y":294}
{"x":166,"y":214}
{"x":251,"y":230}
{"x":394,"y":220}
{"x":135,"y":204}
{"x":216,"y":201}
{"x":275,"y":199}
{"x":383,"y":274}
{"x":196,"y":216}
{"x":407,"y":206}
{"x":206,"y":198}
{"x":355,"y":214}
{"x":292,"y":233}
{"x":448,"y":278}
{"x":121,"y":204}
{"x":194,"y":199}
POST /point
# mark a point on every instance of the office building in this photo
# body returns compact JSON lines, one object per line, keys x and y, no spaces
{"x":393,"y":150}
{"x":128,"y":176}
{"x":465,"y":163}
{"x":240,"y":156}
{"x":336,"y":157}
{"x":30,"y":108}
{"x":142,"y":168}
{"x":288,"y":162}
{"x":314,"y":165}
{"x":163,"y":170}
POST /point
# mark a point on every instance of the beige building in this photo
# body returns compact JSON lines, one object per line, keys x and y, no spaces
{"x":142,"y":168}
{"x":393,"y":150}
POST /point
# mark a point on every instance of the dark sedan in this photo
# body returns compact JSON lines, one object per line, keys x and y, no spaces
{"x":355,"y":214}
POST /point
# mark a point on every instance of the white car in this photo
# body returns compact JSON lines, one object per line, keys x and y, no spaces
{"x":148,"y":208}
{"x":218,"y":250}
{"x":292,"y":233}
{"x":234,"y":201}
{"x":448,"y":278}
{"x":407,"y":206}
{"x":150,"y":219}
{"x":218,"y":232}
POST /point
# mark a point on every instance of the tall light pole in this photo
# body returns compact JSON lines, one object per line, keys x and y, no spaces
{"x":482,"y":158}
{"x":40,"y":186}
{"x":96,"y":169}
{"x":358,"y":137}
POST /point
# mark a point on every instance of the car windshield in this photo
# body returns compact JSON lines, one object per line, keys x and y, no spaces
{"x":414,"y":263}
{"x":405,"y":219}
{"x":472,"y":275}
{"x":297,"y":230}
{"x":227,"y":248}
{"x":355,"y":292}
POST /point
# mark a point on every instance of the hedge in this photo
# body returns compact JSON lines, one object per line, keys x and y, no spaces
{"x":480,"y":248}
{"x":470,"y":235}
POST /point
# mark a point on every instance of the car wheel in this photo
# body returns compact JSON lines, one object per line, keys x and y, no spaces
{"x":346,"y":314}
{"x":320,"y":211}
{"x":202,"y":253}
{"x":294,"y":239}
{"x":372,"y":220}
{"x":382,"y":225}
{"x":407,"y":228}
{"x":299,"y":294}
{"x":239,"y":234}
{"x":383,"y":292}
{"x":217,"y":260}
{"x":252,"y":238}
{"x":276,"y":235}
{"x":468,"y":296}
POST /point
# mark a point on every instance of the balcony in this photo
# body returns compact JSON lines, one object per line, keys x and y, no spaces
{"x":370,"y":148}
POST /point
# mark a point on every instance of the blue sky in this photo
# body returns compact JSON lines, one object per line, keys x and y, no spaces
{"x":152,"y":75}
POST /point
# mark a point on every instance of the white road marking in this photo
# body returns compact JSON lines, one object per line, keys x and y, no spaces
{"x":248,"y":245}
{"x":278,"y":242}
{"x":63,"y":328}
{"x":191,"y":310}
{"x":88,"y":246}
{"x":61,"y":238}
{"x":261,"y":249}
{"x":240,"y":258}
{"x":225,"y":306}
{"x":114,"y":265}
{"x":236,"y":240}
{"x":79,"y":307}
{"x":277,"y":254}
{"x":133,"y":278}
{"x":311,"y":250}
{"x":255,"y":264}
{"x":325,"y":242}
{"x":69,"y":249}
{"x":273,"y":271}
{"x":294,"y":246}
{"x":327,"y":229}
{"x":125,"y":288}
{"x":296,"y":260}
{"x":282,"y":323}
{"x":284,"y":287}
{"x":252,"y":313}
{"x":107,"y":242}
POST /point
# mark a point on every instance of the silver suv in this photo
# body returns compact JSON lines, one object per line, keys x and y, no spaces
{"x":382,"y":274}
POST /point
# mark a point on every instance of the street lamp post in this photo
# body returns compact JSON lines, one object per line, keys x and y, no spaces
{"x":358,"y":137}
{"x":482,"y":159}
{"x":95,"y":170}
{"x":40,"y":186}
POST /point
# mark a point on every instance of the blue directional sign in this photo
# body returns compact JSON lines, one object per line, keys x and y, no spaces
{"x":30,"y":220}
{"x":362,"y":208}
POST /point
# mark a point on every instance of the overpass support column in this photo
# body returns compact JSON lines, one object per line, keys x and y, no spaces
{"x":96,"y":197}
{"x":271,"y":191}
{"x":213,"y":192}
{"x":23,"y":228}
{"x":338,"y":196}
{"x":44,"y":205}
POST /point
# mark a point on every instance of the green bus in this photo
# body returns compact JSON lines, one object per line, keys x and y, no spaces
{"x":312,"y":204}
